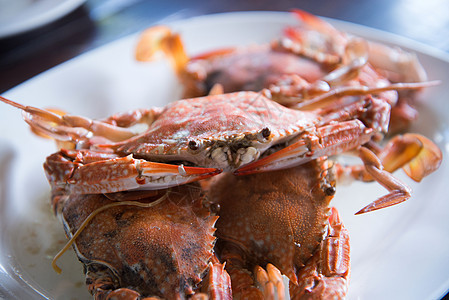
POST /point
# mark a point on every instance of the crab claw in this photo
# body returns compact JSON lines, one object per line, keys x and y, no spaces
{"x":417,"y":155}
{"x":160,"y":175}
{"x":67,"y":170}
{"x":161,"y":38}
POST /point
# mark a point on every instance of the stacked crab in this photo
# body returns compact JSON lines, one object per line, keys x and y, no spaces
{"x":148,"y":212}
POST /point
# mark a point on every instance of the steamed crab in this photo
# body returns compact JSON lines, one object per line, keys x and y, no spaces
{"x":119,"y":161}
{"x":192,"y":139}
{"x":309,"y":60}
{"x":251,"y":68}
{"x":143,"y":244}
{"x":322,"y":42}
{"x":281,"y":223}
{"x":243,"y":132}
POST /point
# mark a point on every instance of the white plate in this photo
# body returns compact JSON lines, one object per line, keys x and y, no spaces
{"x":397,"y":253}
{"x":18,"y":16}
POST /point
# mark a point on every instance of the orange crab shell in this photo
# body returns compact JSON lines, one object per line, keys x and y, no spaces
{"x":223,"y":124}
{"x":249,"y":68}
{"x":162,"y":250}
{"x":275,"y":217}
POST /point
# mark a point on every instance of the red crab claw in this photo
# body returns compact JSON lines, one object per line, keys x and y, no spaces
{"x":414,"y":153}
{"x":417,"y":155}
{"x":326,"y":274}
{"x":109,"y":174}
{"x":161,"y":38}
{"x":51,"y":118}
{"x":328,"y":140}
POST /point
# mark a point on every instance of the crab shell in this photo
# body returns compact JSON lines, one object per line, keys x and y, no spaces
{"x":275,"y":217}
{"x":222,"y":131}
{"x":162,"y":250}
{"x":251,"y":68}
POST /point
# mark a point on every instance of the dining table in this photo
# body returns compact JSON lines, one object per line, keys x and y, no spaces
{"x":29,"y":51}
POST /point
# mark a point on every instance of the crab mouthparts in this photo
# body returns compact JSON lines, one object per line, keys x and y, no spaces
{"x":228,"y":159}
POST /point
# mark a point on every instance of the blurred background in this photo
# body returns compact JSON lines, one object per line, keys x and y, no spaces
{"x":36,"y":35}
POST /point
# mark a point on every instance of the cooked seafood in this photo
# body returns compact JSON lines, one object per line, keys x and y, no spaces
{"x":124,"y":186}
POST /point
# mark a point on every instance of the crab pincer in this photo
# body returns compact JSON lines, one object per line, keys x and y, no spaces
{"x":83,"y":172}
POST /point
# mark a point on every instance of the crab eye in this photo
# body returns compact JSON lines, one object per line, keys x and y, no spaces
{"x":330,"y":190}
{"x":193,"y":145}
{"x":264,"y":134}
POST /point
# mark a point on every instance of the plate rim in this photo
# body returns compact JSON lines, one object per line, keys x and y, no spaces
{"x":379,"y":34}
{"x":37,"y":21}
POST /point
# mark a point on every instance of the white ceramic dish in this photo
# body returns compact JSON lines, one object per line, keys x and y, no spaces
{"x":19,"y":16}
{"x":397,"y":253}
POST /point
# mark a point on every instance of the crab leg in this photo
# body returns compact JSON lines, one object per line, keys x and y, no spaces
{"x":327,"y":140}
{"x":398,"y":191}
{"x":326,"y":274}
{"x":414,"y":153}
{"x":417,"y":155}
{"x":116,"y":174}
{"x":77,"y":128}
{"x":393,"y":59}
{"x":271,"y":282}
{"x":296,"y":93}
{"x":307,"y":37}
{"x":217,"y":283}
{"x":364,"y":90}
{"x":243,"y":284}
{"x":263,"y":284}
